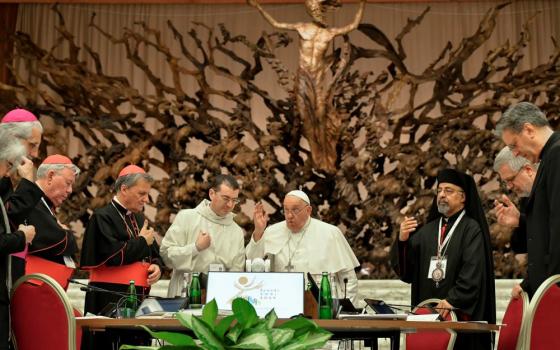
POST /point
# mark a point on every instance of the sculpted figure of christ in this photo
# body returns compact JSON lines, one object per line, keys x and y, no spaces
{"x":321,"y":124}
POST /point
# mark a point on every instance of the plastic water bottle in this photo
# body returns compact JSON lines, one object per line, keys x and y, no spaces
{"x":325,"y":298}
{"x":195,"y":294}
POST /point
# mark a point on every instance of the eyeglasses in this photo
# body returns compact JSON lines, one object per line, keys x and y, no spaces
{"x":509,"y":181}
{"x":229,"y":199}
{"x":447,"y":191}
{"x":293,"y":212}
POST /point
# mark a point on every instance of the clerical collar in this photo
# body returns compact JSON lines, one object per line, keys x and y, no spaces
{"x":121,"y":208}
{"x":451,"y":220}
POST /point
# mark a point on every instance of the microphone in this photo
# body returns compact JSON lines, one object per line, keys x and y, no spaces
{"x":89,"y":288}
{"x":345,"y":280}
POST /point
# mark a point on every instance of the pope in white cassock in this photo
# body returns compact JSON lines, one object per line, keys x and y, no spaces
{"x":206,"y":237}
{"x":304,"y":244}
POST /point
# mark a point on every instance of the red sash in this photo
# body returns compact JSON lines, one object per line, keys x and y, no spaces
{"x":59,"y":272}
{"x":137,"y":271}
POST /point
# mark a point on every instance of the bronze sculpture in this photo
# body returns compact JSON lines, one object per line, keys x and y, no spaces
{"x":313,"y":93}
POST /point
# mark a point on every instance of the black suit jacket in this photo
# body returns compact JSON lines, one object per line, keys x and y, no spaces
{"x":543,"y":218}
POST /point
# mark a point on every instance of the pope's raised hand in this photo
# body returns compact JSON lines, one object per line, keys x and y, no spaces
{"x":260,"y":220}
{"x":408,"y":225}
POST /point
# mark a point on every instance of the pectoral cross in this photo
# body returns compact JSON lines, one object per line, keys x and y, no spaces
{"x":289,"y":267}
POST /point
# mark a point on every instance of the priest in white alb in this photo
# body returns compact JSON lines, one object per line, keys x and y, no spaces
{"x":205,"y":238}
{"x":304,"y":244}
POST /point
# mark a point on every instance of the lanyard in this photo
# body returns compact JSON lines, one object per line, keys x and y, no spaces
{"x":445,"y":242}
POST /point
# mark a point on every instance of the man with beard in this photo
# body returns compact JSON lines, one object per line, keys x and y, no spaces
{"x":450,"y":257}
{"x":11,"y":151}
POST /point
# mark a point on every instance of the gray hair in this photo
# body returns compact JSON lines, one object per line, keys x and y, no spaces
{"x":517,"y":115}
{"x":505,"y":156}
{"x":11,"y":149}
{"x":131,"y":180}
{"x":44,"y":169}
{"x":21,"y":130}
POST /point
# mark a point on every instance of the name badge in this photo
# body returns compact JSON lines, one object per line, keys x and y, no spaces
{"x":216,"y":267}
{"x":69,"y":262}
{"x":437,"y":268}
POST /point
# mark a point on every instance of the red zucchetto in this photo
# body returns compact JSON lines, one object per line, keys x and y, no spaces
{"x":131,"y":169}
{"x":57,"y":159}
{"x":19,"y":115}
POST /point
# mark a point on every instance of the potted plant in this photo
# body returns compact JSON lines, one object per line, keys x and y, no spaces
{"x":241,"y":330}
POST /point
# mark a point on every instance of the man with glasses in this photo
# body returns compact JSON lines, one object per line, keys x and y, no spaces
{"x":450,"y":257}
{"x":518,"y":175}
{"x":526,"y":131}
{"x":304,"y":244}
{"x":205,"y":238}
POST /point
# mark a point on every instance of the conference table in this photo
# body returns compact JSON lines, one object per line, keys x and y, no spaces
{"x":342,"y":329}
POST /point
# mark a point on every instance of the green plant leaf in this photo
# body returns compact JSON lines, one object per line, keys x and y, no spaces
{"x":136,"y":347}
{"x":300,"y":325}
{"x":172,"y":337}
{"x":210,"y":313}
{"x":223,"y":326}
{"x":281,"y":337}
{"x":270,"y":319}
{"x":244,"y":312}
{"x":185,"y":319}
{"x":206,"y":335}
{"x":254,"y":340}
{"x":234,"y":333}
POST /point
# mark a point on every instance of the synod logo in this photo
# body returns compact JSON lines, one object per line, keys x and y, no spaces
{"x":246,"y":288}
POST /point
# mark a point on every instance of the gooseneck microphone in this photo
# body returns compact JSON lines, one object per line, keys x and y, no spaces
{"x":345,"y":280}
{"x":89,"y":288}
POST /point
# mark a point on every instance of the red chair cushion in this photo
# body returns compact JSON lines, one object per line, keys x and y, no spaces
{"x":39,"y":320}
{"x":546,"y":321}
{"x":432,"y":340}
{"x":509,"y":333}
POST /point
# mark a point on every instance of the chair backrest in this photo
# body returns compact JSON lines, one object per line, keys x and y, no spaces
{"x":511,"y":334}
{"x":42,"y":316}
{"x":543,"y":318}
{"x":432,"y":340}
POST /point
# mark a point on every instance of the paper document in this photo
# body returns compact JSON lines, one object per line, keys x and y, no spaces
{"x":426,"y":317}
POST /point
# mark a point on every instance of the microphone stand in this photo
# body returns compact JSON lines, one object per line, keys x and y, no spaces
{"x":90,"y":288}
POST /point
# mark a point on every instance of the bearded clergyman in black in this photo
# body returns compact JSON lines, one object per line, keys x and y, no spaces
{"x":450,"y":257}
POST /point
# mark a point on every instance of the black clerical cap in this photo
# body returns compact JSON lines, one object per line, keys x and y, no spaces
{"x":454,"y":177}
